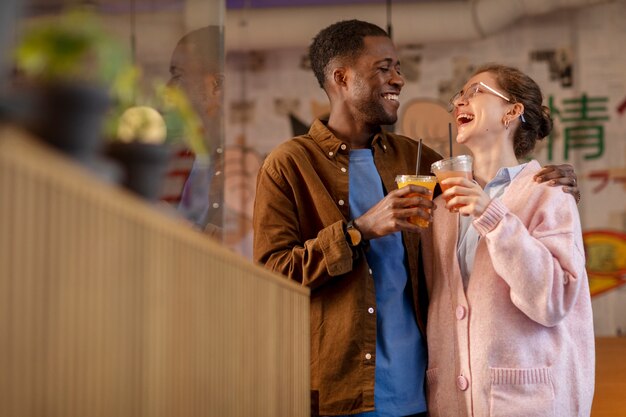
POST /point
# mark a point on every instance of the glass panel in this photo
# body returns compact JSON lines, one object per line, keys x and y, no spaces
{"x":160,"y":66}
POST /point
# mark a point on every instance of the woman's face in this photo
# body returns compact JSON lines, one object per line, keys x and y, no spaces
{"x":479,"y":111}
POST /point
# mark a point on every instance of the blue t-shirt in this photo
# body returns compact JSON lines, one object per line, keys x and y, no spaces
{"x":400,"y":352}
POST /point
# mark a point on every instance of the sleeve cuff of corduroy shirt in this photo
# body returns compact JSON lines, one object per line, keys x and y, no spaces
{"x":337,"y":251}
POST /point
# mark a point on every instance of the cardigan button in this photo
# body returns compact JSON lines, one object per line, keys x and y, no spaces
{"x":461,"y":383}
{"x":368,"y":356}
{"x":460,"y":312}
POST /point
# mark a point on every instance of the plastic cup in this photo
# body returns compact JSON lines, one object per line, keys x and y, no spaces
{"x":457,"y":166}
{"x":426,"y":181}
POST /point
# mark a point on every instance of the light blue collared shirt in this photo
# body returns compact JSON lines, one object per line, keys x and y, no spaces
{"x":468,"y":235}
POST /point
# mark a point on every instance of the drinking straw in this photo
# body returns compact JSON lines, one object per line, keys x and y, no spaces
{"x":450,"y":137}
{"x":419,"y":156}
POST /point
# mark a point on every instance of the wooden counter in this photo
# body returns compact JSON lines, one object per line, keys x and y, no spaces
{"x":110,"y":308}
{"x":610,"y":395}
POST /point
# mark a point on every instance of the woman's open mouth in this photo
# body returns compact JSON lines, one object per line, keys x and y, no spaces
{"x":464,"y":118}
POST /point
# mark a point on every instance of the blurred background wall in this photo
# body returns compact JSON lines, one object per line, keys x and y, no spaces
{"x":575,"y":53}
{"x":573,"y":49}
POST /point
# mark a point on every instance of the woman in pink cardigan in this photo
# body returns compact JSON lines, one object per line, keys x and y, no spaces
{"x":510,"y":329}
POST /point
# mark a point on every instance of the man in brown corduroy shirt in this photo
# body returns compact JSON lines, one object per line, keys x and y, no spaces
{"x":304,"y":227}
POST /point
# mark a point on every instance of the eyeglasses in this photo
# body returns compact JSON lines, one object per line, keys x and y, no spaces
{"x":471,"y":91}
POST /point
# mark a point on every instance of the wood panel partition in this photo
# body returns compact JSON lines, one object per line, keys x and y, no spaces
{"x":109,"y":307}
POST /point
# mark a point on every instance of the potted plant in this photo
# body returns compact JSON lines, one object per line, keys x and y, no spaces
{"x":70,"y":65}
{"x":87,"y":89}
{"x":140,"y":135}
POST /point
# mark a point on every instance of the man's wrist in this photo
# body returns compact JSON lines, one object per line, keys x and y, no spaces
{"x":354,"y":236}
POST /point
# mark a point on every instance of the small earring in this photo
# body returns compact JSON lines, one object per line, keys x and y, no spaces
{"x":521,"y":116}
{"x":506,"y":124}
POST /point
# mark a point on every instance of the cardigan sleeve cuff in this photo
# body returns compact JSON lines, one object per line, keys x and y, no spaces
{"x":490,"y":218}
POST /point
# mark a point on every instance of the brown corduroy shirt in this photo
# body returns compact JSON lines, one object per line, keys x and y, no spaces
{"x":300,"y":212}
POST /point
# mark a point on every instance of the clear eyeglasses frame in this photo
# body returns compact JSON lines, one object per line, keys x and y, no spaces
{"x":471,"y":91}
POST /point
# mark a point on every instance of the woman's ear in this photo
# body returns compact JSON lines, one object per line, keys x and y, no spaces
{"x":516,"y":111}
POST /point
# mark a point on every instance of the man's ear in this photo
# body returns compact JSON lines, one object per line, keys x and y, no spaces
{"x":213,"y":84}
{"x":339,"y":76}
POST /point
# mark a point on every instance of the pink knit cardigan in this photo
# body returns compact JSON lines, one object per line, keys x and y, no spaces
{"x":519,"y":341}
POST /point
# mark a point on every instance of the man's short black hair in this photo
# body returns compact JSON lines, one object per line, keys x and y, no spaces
{"x":340,"y":40}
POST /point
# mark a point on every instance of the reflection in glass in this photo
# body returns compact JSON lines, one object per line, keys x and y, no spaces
{"x":196,"y":69}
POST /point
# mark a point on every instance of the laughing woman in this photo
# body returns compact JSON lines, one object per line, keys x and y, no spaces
{"x":510,"y":330}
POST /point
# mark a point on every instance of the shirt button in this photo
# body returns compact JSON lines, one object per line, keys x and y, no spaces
{"x":370,"y":310}
{"x":460,"y":312}
{"x":219,"y":150}
{"x":218,"y":172}
{"x":216,"y":205}
{"x":368,"y":356}
{"x":343,"y":169}
{"x":341,"y":202}
{"x":330,"y":153}
{"x":343,"y":147}
{"x":370,"y":271}
{"x":461,"y":383}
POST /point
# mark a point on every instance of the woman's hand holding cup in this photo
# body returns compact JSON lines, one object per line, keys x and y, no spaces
{"x":465,"y":196}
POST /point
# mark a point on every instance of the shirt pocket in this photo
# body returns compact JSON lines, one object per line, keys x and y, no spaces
{"x":432,"y":392}
{"x":521,"y":392}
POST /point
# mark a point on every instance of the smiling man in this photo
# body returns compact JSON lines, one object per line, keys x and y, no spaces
{"x":328,"y":215}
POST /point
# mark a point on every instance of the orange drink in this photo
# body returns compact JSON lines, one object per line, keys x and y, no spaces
{"x":457,"y":166}
{"x":426,"y":181}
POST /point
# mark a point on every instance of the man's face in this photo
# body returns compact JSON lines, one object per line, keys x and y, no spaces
{"x":190,"y":73}
{"x":375,"y":82}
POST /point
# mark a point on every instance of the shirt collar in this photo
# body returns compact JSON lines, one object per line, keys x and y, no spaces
{"x":331,"y":145}
{"x":506,"y":174}
{"x":380,"y":140}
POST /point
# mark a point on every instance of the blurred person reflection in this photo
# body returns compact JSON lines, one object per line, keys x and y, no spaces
{"x":196,"y":69}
